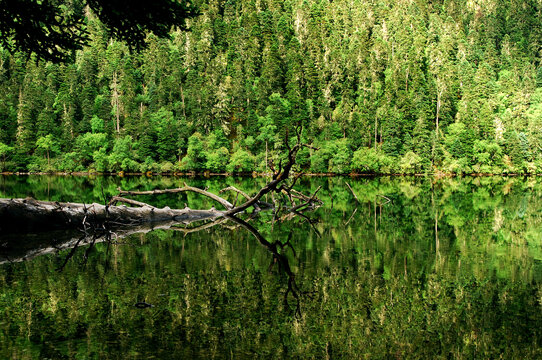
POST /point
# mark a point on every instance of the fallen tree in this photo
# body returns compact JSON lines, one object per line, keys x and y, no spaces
{"x":30,"y":215}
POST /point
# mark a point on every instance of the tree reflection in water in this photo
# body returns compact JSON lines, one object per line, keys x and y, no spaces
{"x":24,"y":247}
{"x":381,"y":285}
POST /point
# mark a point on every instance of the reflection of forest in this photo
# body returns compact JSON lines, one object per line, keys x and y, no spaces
{"x":381,"y":286}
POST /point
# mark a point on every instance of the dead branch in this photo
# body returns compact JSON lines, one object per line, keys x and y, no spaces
{"x":351,"y":216}
{"x":205,"y":226}
{"x":299,"y":195}
{"x":185,"y":188}
{"x":234,"y":189}
{"x":242,"y":193}
{"x":308,"y":202}
{"x":352,"y":191}
{"x":271,"y":186}
{"x":116,"y":199}
{"x":385,"y":197}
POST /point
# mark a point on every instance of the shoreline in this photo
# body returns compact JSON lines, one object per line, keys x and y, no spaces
{"x":255,"y":174}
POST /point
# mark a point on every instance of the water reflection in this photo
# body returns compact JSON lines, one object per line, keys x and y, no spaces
{"x":448,"y":268}
{"x":18,"y":247}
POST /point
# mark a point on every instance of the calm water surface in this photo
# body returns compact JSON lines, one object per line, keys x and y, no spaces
{"x":420,"y":268}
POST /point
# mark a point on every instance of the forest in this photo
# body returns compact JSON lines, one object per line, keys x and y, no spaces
{"x":377,"y":87}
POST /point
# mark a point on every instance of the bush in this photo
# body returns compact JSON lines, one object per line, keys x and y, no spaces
{"x":217,"y":161}
{"x":121,"y":155}
{"x":458,"y":166}
{"x":87,"y":144}
{"x":241,"y":161}
{"x":69,"y":162}
{"x":333,"y":156}
{"x":487,"y":153}
{"x":167,"y":167}
{"x":36,"y":164}
{"x":341,"y":155}
{"x":320,"y":161}
{"x":195,"y":159}
{"x":100,"y":160}
{"x":410,"y":163}
{"x":149,"y":165}
{"x":370,"y":161}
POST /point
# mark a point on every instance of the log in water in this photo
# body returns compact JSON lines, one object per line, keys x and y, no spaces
{"x":29,"y":215}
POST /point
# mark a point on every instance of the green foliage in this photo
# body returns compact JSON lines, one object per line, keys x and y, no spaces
{"x":5,"y":151}
{"x":370,"y":161}
{"x":87,"y":144}
{"x":97,"y":125}
{"x":195,"y":158}
{"x":101,"y":160}
{"x":488,"y":157}
{"x":267,"y":130}
{"x":217,"y":160}
{"x":249,"y":74}
{"x":332,"y":156}
{"x":70,"y":162}
{"x":241,"y":161}
{"x":47,"y":145}
{"x":166,"y":134}
{"x":410,"y":163}
{"x":459,"y":141}
{"x":122,"y":155}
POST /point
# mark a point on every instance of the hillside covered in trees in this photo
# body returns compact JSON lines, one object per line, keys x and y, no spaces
{"x":379,"y":86}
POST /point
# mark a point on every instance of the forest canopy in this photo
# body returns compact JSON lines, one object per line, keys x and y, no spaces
{"x":54,"y":29}
{"x":379,"y":86}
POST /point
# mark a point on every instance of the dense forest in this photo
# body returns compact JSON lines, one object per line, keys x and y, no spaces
{"x":378,"y":86}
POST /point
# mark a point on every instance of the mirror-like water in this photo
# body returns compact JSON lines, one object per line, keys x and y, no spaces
{"x":420,"y":268}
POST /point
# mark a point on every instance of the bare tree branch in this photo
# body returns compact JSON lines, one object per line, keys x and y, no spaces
{"x":352,"y":191}
{"x":185,"y":188}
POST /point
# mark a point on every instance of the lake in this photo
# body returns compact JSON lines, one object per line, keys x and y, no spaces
{"x":419,"y":268}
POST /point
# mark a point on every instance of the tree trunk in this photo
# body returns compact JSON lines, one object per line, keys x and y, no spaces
{"x":29,"y":215}
{"x":376,"y":130}
{"x":116,"y":101}
{"x":439,"y":96}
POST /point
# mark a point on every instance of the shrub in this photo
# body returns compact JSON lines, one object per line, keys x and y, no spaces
{"x":370,"y":161}
{"x":333,"y":156}
{"x":410,"y":163}
{"x":217,"y":161}
{"x":69,"y":162}
{"x":195,"y":159}
{"x":167,"y":167}
{"x":121,"y":155}
{"x":241,"y":161}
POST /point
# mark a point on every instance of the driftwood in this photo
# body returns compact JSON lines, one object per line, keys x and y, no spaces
{"x":18,"y":247}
